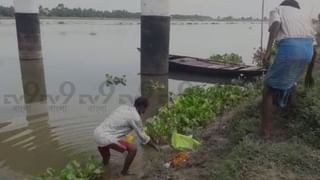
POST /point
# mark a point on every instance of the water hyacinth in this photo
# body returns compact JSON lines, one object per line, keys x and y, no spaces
{"x":196,"y":107}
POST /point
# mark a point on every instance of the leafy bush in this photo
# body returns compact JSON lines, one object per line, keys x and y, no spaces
{"x":91,"y":170}
{"x":194,"y":108}
{"x":115,"y":80}
{"x":226,"y":58}
{"x":258,"y":55}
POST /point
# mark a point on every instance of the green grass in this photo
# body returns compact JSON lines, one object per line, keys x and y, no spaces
{"x":252,"y":159}
{"x":296,"y":155}
{"x":246,"y":121}
{"x":305,"y":118}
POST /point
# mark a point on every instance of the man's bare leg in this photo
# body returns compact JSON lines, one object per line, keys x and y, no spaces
{"x":266,"y":125}
{"x":105,"y":153}
{"x":128,"y":161}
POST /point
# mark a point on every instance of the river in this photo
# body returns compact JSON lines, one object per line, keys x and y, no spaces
{"x":76,"y":56}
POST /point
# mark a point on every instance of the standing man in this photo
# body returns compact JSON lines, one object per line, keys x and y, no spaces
{"x":293,"y":34}
{"x":111,"y":133}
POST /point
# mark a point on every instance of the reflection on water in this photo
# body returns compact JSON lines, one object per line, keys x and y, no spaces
{"x":33,"y":82}
{"x":155,"y":88}
{"x":45,"y":133}
{"x":31,"y":149}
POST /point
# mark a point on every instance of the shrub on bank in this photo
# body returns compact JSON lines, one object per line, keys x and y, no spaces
{"x":193,"y":109}
{"x":91,"y":170}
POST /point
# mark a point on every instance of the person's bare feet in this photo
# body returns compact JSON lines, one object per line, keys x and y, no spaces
{"x":266,"y":133}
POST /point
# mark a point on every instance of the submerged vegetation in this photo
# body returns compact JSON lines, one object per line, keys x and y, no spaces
{"x":227,"y":58}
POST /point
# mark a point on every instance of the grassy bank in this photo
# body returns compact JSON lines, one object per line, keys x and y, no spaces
{"x":233,"y":149}
{"x":292,"y":153}
{"x":255,"y":159}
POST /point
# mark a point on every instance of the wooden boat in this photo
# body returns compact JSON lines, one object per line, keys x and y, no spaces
{"x":193,"y":77}
{"x":209,"y":67}
{"x":187,"y":64}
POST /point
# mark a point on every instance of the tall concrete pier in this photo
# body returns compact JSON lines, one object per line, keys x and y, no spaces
{"x":30,"y":54}
{"x":155,"y":35}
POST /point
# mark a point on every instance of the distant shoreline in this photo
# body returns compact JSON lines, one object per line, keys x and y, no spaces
{"x":133,"y":19}
{"x":63,"y":12}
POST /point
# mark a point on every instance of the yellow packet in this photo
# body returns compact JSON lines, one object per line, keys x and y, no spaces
{"x":130,"y":138}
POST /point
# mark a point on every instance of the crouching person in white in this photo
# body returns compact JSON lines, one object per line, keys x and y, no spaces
{"x":111,"y":133}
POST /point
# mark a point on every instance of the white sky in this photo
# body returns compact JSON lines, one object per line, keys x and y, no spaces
{"x":212,"y":8}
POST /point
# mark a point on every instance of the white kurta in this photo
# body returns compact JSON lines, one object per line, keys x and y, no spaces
{"x":294,"y":23}
{"x":120,"y":123}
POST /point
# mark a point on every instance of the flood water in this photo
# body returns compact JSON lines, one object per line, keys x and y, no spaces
{"x":76,"y":56}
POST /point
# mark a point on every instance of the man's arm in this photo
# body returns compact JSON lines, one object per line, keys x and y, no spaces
{"x":138,"y":128}
{"x":273,"y":30}
{"x":153,"y":145}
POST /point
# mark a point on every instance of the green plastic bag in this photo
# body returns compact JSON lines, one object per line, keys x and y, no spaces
{"x":179,"y":141}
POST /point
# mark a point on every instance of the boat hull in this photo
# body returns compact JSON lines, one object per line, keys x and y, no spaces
{"x":205,"y":67}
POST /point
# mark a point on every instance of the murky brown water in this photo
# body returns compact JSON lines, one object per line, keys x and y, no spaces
{"x":77,"y":55}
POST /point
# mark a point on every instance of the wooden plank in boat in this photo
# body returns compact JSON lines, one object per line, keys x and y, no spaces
{"x":191,"y":62}
{"x":251,"y":69}
{"x":234,"y":68}
{"x":217,"y":66}
{"x":185,"y":59}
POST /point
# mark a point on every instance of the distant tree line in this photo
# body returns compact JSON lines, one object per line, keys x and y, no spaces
{"x":61,"y":11}
{"x":6,"y":11}
{"x":192,"y":17}
{"x":231,"y":18}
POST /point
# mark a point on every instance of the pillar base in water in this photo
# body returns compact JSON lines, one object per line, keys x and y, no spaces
{"x":155,"y":88}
